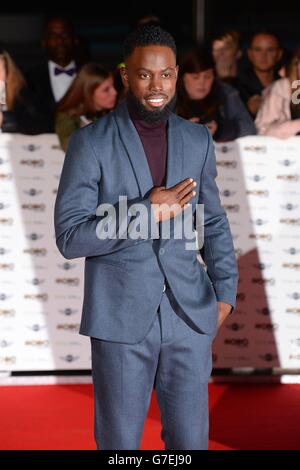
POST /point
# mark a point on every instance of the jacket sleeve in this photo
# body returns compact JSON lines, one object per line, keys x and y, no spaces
{"x":76,"y":204}
{"x":217,"y":250}
{"x":238,"y":112}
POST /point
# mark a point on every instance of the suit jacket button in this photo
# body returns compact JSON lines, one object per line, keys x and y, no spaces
{"x":164,"y":288}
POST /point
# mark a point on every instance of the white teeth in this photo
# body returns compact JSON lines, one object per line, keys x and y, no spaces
{"x":156,"y":100}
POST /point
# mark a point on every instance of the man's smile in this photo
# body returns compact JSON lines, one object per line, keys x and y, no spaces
{"x":156,"y":101}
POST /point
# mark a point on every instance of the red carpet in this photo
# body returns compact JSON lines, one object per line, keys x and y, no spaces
{"x":242,"y":416}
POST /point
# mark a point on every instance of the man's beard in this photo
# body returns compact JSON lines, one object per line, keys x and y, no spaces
{"x":151,"y":116}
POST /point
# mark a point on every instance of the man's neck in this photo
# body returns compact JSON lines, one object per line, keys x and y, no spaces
{"x":63,"y":64}
{"x":266,"y":78}
{"x":227,"y":70}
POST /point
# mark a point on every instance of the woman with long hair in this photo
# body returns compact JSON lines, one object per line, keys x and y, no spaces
{"x":17,"y":110}
{"x":204,"y":99}
{"x":279,"y":114}
{"x":91,"y":95}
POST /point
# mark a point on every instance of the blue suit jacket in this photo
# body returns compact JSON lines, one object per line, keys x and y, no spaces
{"x":124,"y":278}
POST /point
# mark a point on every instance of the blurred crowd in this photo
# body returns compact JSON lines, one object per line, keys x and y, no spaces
{"x":233,"y":92}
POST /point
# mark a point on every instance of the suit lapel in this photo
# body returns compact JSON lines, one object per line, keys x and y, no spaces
{"x":137,"y":156}
{"x":45,"y":84}
{"x":134,"y":148}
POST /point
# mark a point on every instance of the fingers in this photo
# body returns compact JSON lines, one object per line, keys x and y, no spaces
{"x":187,"y":198}
{"x":189,"y":188}
{"x":178,"y":197}
{"x":180,"y":186}
{"x":185,"y":191}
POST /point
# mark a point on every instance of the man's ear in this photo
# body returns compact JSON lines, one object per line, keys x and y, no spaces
{"x":176,"y":71}
{"x":124,"y":76}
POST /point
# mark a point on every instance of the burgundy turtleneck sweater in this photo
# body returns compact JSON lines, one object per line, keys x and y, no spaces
{"x":154,"y":139}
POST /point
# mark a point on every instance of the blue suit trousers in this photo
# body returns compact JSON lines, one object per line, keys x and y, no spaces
{"x":173,"y":359}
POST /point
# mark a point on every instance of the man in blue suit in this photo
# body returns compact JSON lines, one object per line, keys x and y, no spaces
{"x":150,"y":308}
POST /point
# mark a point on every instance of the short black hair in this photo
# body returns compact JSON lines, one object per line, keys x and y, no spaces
{"x":62,"y":19}
{"x":148,"y":35}
{"x":266,"y":32}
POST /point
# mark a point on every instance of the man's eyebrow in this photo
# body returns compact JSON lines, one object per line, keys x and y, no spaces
{"x":148,"y":70}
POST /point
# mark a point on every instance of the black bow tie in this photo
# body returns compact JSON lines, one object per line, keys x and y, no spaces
{"x":70,"y":72}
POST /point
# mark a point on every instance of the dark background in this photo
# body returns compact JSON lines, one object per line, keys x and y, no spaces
{"x":104,"y":24}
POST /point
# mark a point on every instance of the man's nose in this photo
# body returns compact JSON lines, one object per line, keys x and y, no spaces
{"x":156,"y":84}
{"x":59,"y":41}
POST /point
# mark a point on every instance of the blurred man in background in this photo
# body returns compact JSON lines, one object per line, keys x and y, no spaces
{"x":50,"y":80}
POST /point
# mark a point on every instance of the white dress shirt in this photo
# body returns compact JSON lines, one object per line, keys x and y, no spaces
{"x":60,"y":83}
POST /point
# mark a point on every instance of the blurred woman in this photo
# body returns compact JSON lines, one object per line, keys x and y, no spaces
{"x":204,"y":99}
{"x":17,"y":110}
{"x":279,"y":114}
{"x":91,"y":95}
{"x":226,"y":52}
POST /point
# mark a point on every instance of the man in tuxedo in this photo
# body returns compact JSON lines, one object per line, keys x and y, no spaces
{"x":150,"y":308}
{"x":50,"y":81}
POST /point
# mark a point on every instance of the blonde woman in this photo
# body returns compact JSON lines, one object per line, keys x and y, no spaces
{"x":91,"y":95}
{"x":278,"y":115}
{"x":226,"y":52}
{"x":17,"y":110}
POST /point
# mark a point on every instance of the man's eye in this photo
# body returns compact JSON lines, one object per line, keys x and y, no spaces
{"x":144,"y":75}
{"x":166,"y":75}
